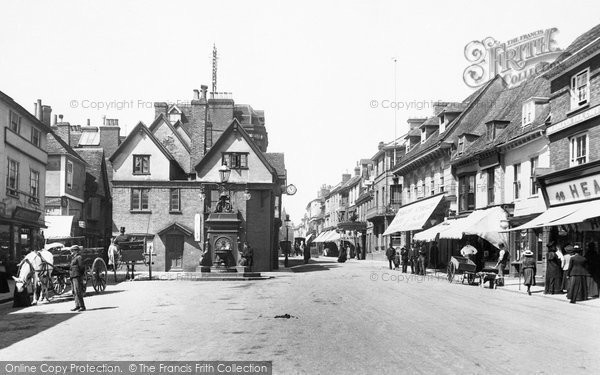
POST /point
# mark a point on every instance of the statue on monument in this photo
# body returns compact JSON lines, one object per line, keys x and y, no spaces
{"x":224,"y":204}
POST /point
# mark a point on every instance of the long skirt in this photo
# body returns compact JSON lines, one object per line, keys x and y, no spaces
{"x":528,"y":276}
{"x":577,"y":288}
{"x":553,"y":285}
{"x":592,"y":287}
{"x":565,"y":281}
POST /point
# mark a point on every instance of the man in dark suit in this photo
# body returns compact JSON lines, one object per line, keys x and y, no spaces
{"x":77,"y":273}
{"x":578,"y":274}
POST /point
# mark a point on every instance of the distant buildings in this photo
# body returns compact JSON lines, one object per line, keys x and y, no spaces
{"x":506,"y":165}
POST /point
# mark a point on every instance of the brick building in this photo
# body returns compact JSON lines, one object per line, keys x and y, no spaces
{"x":23,"y":143}
{"x":165,"y":179}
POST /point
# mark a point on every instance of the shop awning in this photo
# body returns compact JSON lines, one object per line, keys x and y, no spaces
{"x":430,"y":234}
{"x":58,"y":226}
{"x":562,"y":215}
{"x":308,"y":238}
{"x":413,"y":216}
{"x":321,"y":236}
{"x":553,"y":214}
{"x":483,"y":223}
{"x":332,"y":236}
{"x":588,"y":210}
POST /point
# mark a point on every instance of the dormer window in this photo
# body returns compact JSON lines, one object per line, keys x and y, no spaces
{"x":528,"y":112}
{"x":442,"y":123}
{"x":580,"y":89}
{"x":423,"y":135}
{"x":461,"y":144}
{"x":174,"y":115}
{"x":407,"y":146}
{"x":491,"y":131}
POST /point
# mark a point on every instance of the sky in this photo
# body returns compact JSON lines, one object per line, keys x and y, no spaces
{"x":314,"y":67}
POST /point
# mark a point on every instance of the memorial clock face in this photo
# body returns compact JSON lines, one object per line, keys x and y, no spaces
{"x":223,"y":243}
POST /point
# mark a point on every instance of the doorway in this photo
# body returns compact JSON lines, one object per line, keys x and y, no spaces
{"x":174,"y":253}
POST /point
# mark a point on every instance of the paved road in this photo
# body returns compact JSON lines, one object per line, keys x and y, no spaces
{"x":349,"y":318}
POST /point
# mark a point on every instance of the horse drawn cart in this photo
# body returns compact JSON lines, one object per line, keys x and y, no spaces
{"x":130,"y":253}
{"x":467,"y":269}
{"x":93,"y":260}
{"x":463,"y":266}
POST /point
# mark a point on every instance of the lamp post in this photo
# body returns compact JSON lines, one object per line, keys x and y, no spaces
{"x":287,"y":240}
{"x":224,"y":173}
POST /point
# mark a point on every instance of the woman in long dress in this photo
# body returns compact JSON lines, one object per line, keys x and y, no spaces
{"x":529,"y":269}
{"x":578,"y":275}
{"x":553,"y":282}
{"x":594,"y":267}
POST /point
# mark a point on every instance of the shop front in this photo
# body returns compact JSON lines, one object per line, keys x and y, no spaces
{"x":18,"y":235}
{"x":573,"y":214}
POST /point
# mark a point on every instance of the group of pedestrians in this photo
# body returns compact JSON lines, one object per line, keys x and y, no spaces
{"x":567,"y":270}
{"x":415,"y":257}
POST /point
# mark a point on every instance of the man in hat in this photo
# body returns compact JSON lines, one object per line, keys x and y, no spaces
{"x":77,"y":273}
{"x":502,"y":262}
{"x":404,"y":258}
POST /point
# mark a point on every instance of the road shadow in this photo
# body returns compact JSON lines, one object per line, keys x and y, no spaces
{"x":313,"y":265}
{"x":18,"y":327}
{"x":101,"y":308}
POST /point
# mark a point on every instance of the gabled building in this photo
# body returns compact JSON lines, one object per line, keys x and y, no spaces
{"x":166,"y":183}
{"x":23,"y":145}
{"x":65,"y":188}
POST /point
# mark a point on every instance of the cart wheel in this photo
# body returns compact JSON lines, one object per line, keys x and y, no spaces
{"x":450,"y":272}
{"x":59,"y":283}
{"x":98,"y":275}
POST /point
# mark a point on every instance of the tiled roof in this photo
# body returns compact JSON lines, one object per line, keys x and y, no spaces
{"x":590,"y":40}
{"x":454,"y":107}
{"x":277,"y":161}
{"x":580,"y":42}
{"x":508,"y":107}
{"x":94,"y":157}
{"x":56,"y":145}
{"x":432,"y":121}
{"x":472,"y":114}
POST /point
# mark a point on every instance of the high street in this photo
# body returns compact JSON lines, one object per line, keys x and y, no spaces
{"x":356,"y":317}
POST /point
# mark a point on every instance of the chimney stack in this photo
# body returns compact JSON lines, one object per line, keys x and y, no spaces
{"x":380,"y":146}
{"x":204,"y":89}
{"x":415,"y":122}
{"x":104,"y":120}
{"x":357,"y":171}
{"x":38,"y":110}
{"x":46,"y":114}
{"x":438,"y":107}
{"x":54,"y":120}
{"x":345,"y":177}
{"x":88,"y":122}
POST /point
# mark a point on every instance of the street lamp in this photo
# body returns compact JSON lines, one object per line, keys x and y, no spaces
{"x":287,"y":240}
{"x":224,"y":173}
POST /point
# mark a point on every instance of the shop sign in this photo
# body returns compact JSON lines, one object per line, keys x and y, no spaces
{"x":24,"y":214}
{"x":580,"y":189}
{"x":571,"y":121}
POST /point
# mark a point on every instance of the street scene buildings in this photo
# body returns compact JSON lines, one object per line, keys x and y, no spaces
{"x":466,"y":242}
{"x":510,"y":165}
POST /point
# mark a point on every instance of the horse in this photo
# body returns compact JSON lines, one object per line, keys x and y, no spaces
{"x":37,"y":265}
